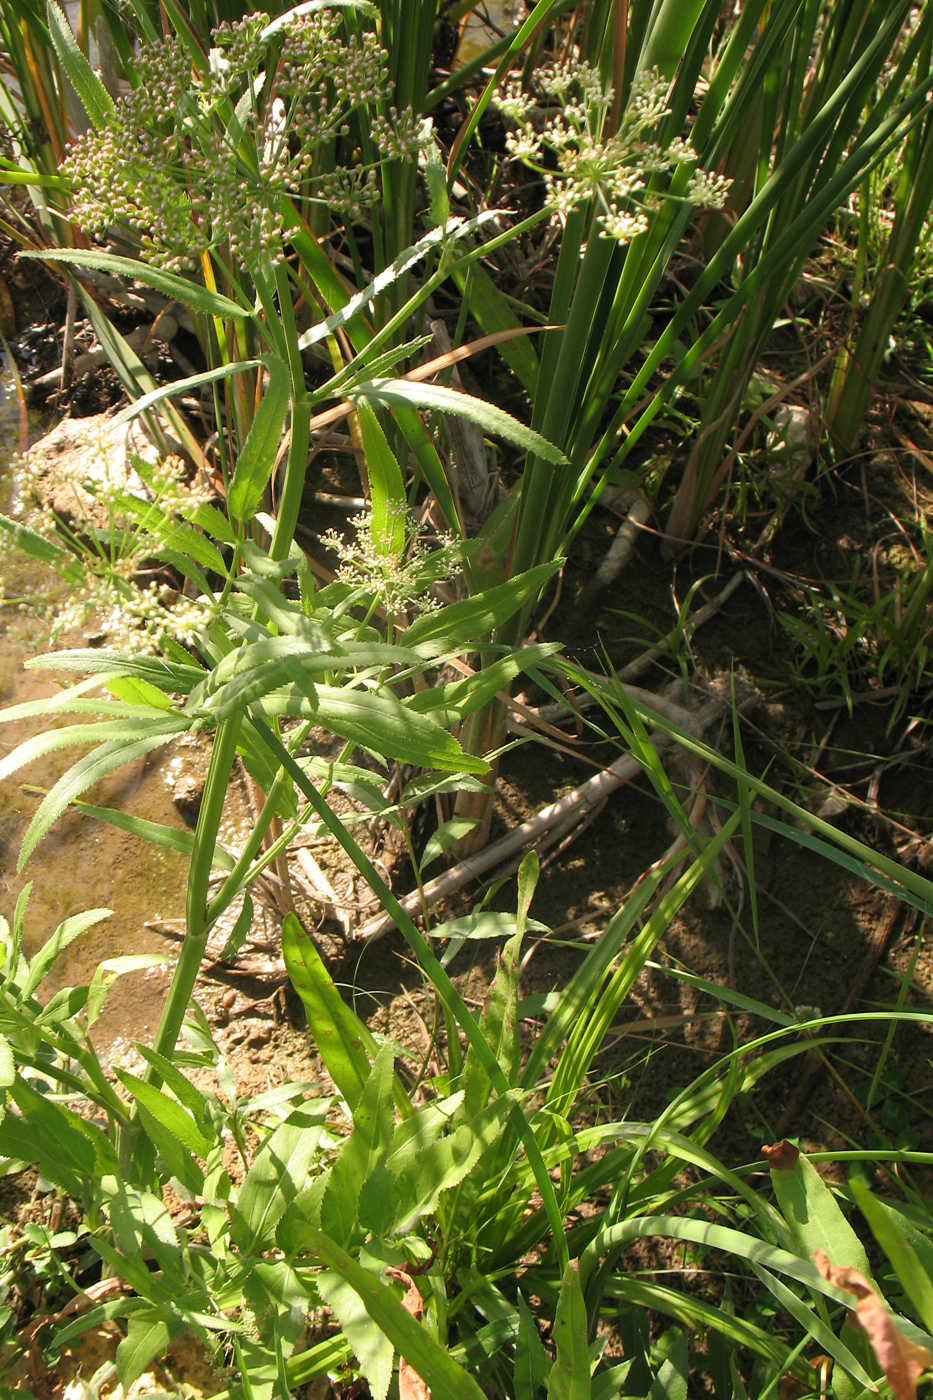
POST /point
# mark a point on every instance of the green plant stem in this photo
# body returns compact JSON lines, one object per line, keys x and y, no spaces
{"x":197,"y":922}
{"x":234,"y":882}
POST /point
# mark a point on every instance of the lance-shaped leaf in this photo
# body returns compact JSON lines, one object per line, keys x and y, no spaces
{"x":454,"y":228}
{"x":169,"y":676}
{"x":95,"y":99}
{"x":84,"y":774}
{"x":257,"y":457}
{"x":345,"y":1043}
{"x":378,"y":721}
{"x":464,"y":623}
{"x":812,"y":1213}
{"x":174,"y":287}
{"x":181,"y":386}
{"x":278,"y":1172}
{"x":259,"y":668}
{"x":570,"y":1374}
{"x":429,"y":1358}
{"x":386,"y":486}
{"x":439,"y":398}
{"x":128,"y":728}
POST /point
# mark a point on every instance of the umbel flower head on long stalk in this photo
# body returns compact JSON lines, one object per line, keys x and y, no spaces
{"x":190,"y":159}
{"x":559,"y":130}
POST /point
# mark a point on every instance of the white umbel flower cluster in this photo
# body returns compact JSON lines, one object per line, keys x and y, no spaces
{"x":559,"y":128}
{"x":397,"y":580}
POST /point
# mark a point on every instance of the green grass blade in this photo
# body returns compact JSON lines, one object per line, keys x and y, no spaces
{"x":569,"y":1378}
{"x":915,"y":1280}
{"x":386,"y":486}
{"x":181,"y":386}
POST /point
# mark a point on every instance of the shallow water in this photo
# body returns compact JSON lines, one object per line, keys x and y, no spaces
{"x":81,"y":864}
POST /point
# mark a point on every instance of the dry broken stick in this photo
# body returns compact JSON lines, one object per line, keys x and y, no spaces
{"x":548,"y":825}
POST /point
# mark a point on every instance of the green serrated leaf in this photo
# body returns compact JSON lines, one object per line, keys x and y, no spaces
{"x":441,"y":399}
{"x":147,"y":1337}
{"x":38,"y":547}
{"x":66,"y":933}
{"x":373,"y":1122}
{"x":171,"y":286}
{"x":85,"y":774}
{"x":465,"y":623}
{"x":7,"y":1063}
{"x":386,"y":485}
{"x":429,"y":1358}
{"x":168,"y":1112}
{"x":425,"y":1164}
{"x":95,"y":98}
{"x":172,"y":390}
{"x":373,"y":1349}
{"x":277,"y":1174}
{"x":446,"y":835}
{"x":381,"y":723}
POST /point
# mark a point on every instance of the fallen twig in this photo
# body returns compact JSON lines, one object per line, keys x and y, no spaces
{"x":549,"y":825}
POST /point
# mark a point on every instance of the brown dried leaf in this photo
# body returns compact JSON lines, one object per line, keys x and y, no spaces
{"x":410,"y":1384}
{"x":781,"y":1156}
{"x":901,"y":1360}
